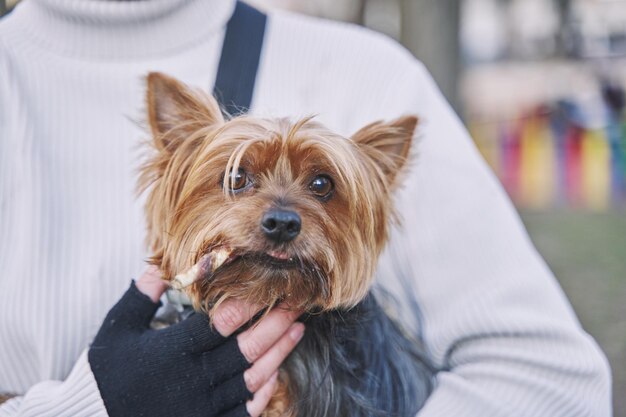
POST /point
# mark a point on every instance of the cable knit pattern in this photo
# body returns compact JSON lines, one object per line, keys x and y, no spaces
{"x":71,"y":101}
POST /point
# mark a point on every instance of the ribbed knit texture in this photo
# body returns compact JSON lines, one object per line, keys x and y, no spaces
{"x":72,"y":231}
{"x":76,"y":396}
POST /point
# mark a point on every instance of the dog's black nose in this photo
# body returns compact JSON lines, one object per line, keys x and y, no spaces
{"x":281,"y":225}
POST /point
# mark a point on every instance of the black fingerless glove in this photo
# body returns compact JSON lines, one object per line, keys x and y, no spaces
{"x":187,"y":369}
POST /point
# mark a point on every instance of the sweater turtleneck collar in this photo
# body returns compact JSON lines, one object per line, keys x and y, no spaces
{"x":102,"y":29}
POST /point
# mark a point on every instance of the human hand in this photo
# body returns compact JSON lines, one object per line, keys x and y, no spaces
{"x":189,"y":368}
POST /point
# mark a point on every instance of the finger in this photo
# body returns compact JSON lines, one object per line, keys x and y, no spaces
{"x":224,"y":362}
{"x":151,"y":283}
{"x":239,"y":411}
{"x":194,"y":334}
{"x":229,"y":394}
{"x":262,"y":397}
{"x":133,"y":310}
{"x":266,"y":365}
{"x":232,"y":314}
{"x":255,"y":341}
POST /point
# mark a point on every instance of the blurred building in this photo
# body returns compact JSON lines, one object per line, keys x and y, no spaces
{"x":543,"y":95}
{"x":540,"y":29}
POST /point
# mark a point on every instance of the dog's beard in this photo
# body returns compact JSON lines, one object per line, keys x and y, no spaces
{"x":264,"y":280}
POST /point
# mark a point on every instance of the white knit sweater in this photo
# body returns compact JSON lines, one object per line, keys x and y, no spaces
{"x":71,"y":229}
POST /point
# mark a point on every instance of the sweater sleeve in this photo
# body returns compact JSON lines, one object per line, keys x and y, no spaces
{"x":77,"y":396}
{"x":491,"y":314}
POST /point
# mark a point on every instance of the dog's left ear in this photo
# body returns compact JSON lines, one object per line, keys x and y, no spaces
{"x":175,"y":110}
{"x":388,"y":144}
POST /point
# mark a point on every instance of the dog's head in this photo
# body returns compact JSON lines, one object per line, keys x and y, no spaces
{"x":305,"y":211}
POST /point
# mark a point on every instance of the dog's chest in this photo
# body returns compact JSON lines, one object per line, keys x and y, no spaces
{"x":355,"y":363}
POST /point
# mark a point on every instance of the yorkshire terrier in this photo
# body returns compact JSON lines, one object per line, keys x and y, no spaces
{"x":279,"y":211}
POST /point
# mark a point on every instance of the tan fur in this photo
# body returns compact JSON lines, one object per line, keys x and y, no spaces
{"x":191,"y":210}
{"x":279,"y":404}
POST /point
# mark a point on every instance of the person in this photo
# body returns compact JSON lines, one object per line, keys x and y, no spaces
{"x":493,"y":318}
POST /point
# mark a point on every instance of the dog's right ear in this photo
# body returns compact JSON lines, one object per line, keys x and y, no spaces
{"x":175,"y":110}
{"x":388,"y":145}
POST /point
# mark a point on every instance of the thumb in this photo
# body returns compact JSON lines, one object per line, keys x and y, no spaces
{"x":151,"y":283}
{"x":138,"y":305}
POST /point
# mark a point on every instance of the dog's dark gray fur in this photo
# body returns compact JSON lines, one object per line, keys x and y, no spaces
{"x":353,"y":363}
{"x":358,"y":363}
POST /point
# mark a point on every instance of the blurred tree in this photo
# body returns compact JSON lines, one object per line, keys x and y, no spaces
{"x":430,"y":29}
{"x":565,"y":39}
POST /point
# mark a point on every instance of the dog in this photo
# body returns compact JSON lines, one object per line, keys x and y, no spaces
{"x":298,"y":215}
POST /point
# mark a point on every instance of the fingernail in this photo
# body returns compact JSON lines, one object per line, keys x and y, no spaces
{"x":296,"y":332}
{"x":247,"y":379}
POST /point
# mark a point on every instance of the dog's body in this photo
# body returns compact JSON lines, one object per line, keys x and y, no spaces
{"x":356,"y":363}
{"x":302,"y":215}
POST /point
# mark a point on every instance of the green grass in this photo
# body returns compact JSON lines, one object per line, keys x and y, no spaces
{"x":587,"y":252}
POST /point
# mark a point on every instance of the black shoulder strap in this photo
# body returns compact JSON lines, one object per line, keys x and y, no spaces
{"x":239,"y":62}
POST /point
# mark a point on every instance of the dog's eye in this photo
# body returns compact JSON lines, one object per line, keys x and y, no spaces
{"x":238,"y":180}
{"x":322,"y":186}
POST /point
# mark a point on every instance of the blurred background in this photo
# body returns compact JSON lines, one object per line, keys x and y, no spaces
{"x":540,"y":85}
